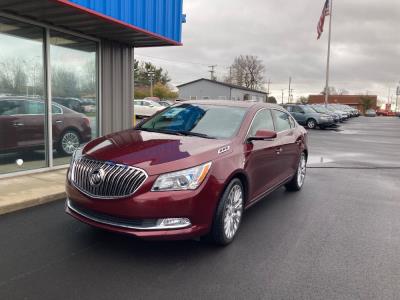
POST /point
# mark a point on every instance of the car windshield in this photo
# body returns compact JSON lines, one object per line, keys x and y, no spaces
{"x":208,"y":121}
{"x":319,"y":109}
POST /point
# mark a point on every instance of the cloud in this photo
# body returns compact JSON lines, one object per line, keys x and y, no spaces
{"x":365,"y":43}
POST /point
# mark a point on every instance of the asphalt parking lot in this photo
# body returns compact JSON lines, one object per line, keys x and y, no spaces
{"x":339,"y":238}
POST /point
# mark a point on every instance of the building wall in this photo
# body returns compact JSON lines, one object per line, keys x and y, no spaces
{"x":238,"y":94}
{"x":352,"y":100}
{"x":163,"y":17}
{"x":202,"y":89}
{"x":116,"y":86}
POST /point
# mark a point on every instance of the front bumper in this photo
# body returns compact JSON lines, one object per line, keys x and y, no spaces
{"x":137,"y":215}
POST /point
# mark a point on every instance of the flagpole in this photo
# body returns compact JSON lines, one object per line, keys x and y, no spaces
{"x":329,"y":54}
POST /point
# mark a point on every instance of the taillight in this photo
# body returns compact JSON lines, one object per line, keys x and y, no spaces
{"x":87,"y":121}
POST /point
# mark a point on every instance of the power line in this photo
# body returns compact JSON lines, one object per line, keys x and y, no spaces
{"x":172,"y":60}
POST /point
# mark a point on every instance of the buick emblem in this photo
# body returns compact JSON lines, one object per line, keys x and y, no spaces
{"x":96,"y":177}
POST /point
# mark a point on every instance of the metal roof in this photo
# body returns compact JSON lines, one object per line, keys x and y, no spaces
{"x":75,"y":17}
{"x":232,"y":86}
{"x":163,"y":17}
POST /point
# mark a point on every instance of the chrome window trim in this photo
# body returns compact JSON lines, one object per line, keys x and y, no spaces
{"x":255,"y":115}
{"x":32,"y":100}
{"x":285,"y":113}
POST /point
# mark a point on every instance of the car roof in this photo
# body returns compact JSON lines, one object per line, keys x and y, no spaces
{"x":232,"y":103}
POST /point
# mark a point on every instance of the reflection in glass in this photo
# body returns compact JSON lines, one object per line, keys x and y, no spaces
{"x":22,"y":108}
{"x":74,"y":90}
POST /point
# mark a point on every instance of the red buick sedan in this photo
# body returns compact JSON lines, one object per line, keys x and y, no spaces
{"x":189,"y":171}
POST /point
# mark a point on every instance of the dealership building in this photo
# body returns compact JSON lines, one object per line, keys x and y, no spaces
{"x":66,"y":72}
{"x":355,"y":101}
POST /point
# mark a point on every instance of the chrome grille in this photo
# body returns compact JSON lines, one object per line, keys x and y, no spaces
{"x":102,"y":179}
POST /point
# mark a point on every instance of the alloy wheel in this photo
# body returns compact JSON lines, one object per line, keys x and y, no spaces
{"x":311,"y":124}
{"x":301,"y":171}
{"x":233,"y":211}
{"x":70,"y":142}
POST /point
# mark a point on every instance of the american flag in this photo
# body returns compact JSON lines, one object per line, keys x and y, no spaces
{"x":325,"y":12}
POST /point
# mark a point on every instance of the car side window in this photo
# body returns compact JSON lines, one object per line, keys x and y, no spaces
{"x":262,"y":120}
{"x":282,"y":120}
{"x":297,"y":109}
{"x":145,"y":103}
{"x":55,"y":109}
{"x":8,"y":108}
{"x":34,"y":108}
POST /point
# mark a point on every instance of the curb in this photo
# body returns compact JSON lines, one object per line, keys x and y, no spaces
{"x":12,"y":207}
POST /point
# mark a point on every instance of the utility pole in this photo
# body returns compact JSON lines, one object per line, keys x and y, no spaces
{"x":269,"y":83}
{"x":291,"y":95}
{"x":397,"y":96}
{"x":290,"y":82}
{"x":212,"y":71}
{"x":282,"y":95}
{"x":151,"y":75}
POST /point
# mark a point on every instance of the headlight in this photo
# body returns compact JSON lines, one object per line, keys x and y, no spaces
{"x":75,"y":156}
{"x":188,"y":179}
{"x":77,"y":153}
{"x":325,"y":117}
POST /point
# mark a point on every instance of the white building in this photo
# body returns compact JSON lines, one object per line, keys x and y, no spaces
{"x":211,"y":89}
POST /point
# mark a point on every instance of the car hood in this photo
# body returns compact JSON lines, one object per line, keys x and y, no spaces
{"x":154,"y":152}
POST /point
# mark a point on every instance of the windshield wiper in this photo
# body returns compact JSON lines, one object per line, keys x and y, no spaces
{"x":161,"y":131}
{"x":178,"y":132}
{"x":190,"y":133}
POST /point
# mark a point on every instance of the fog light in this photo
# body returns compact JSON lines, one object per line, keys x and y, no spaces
{"x":173,"y":222}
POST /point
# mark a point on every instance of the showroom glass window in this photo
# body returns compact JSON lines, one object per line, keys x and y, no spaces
{"x":74,"y":89}
{"x":22,"y":97}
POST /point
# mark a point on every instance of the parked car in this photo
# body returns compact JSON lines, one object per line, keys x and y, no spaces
{"x":72,"y":103}
{"x":146,"y":108}
{"x":323,"y":110}
{"x":165,"y":103}
{"x":189,"y":171}
{"x":343,"y":115}
{"x":305,"y":115}
{"x":370,"y":113}
{"x":22,"y":121}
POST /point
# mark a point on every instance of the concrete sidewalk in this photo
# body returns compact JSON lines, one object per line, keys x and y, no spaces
{"x":30,"y":190}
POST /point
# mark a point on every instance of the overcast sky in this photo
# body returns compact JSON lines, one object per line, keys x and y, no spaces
{"x":365,"y":43}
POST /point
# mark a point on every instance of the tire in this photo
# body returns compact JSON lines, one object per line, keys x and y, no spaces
{"x":297,"y":182}
{"x":223,"y":231}
{"x":69,"y":142}
{"x":311,"y":123}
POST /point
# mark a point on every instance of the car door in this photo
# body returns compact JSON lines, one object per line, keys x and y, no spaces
{"x":261,"y":164}
{"x":288,"y":148}
{"x":31,"y":131}
{"x":299,"y":114}
{"x":138,"y":108}
{"x":8,"y":128}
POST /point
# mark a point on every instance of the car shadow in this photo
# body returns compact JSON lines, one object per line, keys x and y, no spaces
{"x":129,"y":247}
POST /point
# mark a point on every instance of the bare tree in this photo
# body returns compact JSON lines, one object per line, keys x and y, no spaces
{"x":247,"y":71}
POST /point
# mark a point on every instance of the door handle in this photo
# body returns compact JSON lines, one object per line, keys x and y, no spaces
{"x":278,"y":150}
{"x":17,"y":124}
{"x":59,"y":121}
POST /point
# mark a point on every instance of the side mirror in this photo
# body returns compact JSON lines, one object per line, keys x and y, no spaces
{"x":263,"y":135}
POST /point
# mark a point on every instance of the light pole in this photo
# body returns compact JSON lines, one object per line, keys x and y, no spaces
{"x":151,"y":77}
